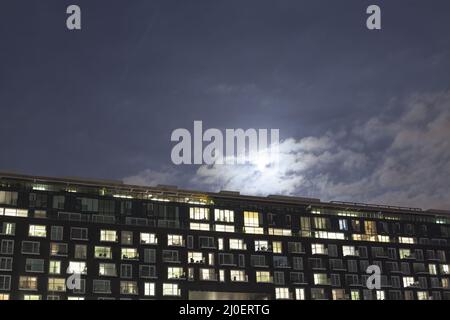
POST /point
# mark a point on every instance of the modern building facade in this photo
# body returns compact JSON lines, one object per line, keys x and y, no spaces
{"x":64,"y":238}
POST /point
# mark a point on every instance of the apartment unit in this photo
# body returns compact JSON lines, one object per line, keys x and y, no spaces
{"x":66,"y":238}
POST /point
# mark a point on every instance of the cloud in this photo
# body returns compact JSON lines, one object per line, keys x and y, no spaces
{"x":400,"y":159}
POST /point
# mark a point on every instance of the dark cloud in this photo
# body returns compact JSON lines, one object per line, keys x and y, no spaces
{"x":103,"y":102}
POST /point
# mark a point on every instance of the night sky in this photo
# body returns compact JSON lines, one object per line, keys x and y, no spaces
{"x":364,"y":116}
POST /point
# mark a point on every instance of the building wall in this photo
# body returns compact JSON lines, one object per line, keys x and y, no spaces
{"x":331,"y":249}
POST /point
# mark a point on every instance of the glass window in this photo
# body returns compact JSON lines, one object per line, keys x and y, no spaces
{"x":58,"y":249}
{"x":34,"y":265}
{"x":222,"y":215}
{"x":28,"y":283}
{"x":77,"y":267}
{"x":5,"y":282}
{"x":6,"y":263}
{"x":263,"y":276}
{"x":79,"y":233}
{"x":30,"y":247}
{"x":107,"y":269}
{"x":171,"y":289}
{"x":175,"y":240}
{"x":127,"y":237}
{"x":7,"y":247}
{"x":108,"y":235}
{"x":282,"y":293}
{"x":80,"y":251}
{"x":101,"y":286}
{"x":103,"y":252}
{"x":129,"y":254}
{"x":126,"y":271}
{"x":56,"y":233}
{"x":148,"y":238}
{"x":128,"y":287}
{"x":149,"y":289}
{"x":37,"y":231}
{"x":318,"y":248}
{"x":54,"y":267}
{"x":8,"y":228}
{"x":56,"y":284}
{"x":199,"y":213}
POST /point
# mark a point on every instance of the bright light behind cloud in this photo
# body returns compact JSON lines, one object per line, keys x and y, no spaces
{"x":409,"y":167}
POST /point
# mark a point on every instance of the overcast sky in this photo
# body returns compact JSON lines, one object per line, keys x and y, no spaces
{"x":364,"y":116}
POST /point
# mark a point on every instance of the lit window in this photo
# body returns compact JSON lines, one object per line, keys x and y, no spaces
{"x":4,"y":296}
{"x":422,"y":295}
{"x":175,"y":273}
{"x":318,"y":248}
{"x":223,"y":228}
{"x":148,"y":238}
{"x":32,"y":297}
{"x":8,"y":228}
{"x":405,"y":254}
{"x":321,"y":279}
{"x":108,"y":235}
{"x":58,"y":249}
{"x":282,"y":293}
{"x":238,"y":276}
{"x":28,"y":283}
{"x":77,"y":267}
{"x":321,"y":223}
{"x":263,"y":276}
{"x":103,"y":252}
{"x":37,"y":231}
{"x":196,"y":257}
{"x":56,"y":284}
{"x":224,"y":215}
{"x":280,"y":232}
{"x":149,"y":289}
{"x":348,"y":251}
{"x":171,"y":289}
{"x":199,"y":213}
{"x":261,"y":245}
{"x":354,"y":294}
{"x":237,"y":244}
{"x":407,"y":240}
{"x":408,"y":282}
{"x":208,"y":275}
{"x":343,"y":225}
{"x":107,"y":269}
{"x":252,"y":222}
{"x":299,"y":294}
{"x":129,"y":253}
{"x":370,"y":227}
{"x":251,"y":219}
{"x":128,"y":287}
{"x":277,"y":247}
{"x":54,"y":267}
{"x":380,"y":295}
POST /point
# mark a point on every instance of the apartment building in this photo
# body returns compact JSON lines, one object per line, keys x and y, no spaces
{"x":66,"y":238}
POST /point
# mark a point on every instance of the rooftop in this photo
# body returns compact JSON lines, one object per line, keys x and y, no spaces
{"x":168,"y":190}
